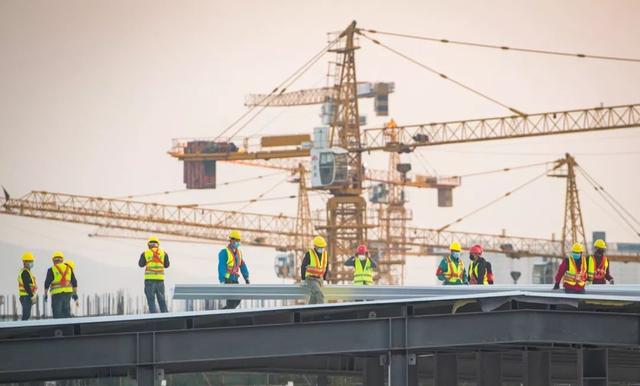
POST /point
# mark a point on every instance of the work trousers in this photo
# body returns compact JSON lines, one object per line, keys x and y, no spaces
{"x":61,"y":305}
{"x":231,"y":304}
{"x":25,"y":301}
{"x":155,"y":289}
{"x":314,"y":284}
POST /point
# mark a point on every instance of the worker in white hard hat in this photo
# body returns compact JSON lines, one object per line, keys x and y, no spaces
{"x":231,"y":264}
{"x":155,"y":261}
{"x":315,"y":268}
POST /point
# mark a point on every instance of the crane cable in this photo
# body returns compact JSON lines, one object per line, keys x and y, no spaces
{"x":443,"y":76}
{"x":505,"y":48}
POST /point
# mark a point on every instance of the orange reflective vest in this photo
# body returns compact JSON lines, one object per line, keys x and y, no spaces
{"x":574,"y":278}
{"x":454,"y":272}
{"x":34,"y":286}
{"x":233,"y":264}
{"x":317,"y":266}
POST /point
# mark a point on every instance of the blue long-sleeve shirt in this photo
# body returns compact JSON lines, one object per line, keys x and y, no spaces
{"x":222,"y":268}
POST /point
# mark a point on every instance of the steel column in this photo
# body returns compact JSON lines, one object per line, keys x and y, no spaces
{"x":446,"y":370}
{"x":592,"y":367}
{"x":489,"y":368}
{"x":374,"y":372}
{"x":537,"y":368}
{"x":403,"y":369}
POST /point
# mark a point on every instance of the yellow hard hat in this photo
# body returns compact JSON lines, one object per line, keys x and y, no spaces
{"x":577,"y":248}
{"x":57,"y":254}
{"x":235,"y":234}
{"x":319,"y":242}
{"x":28,"y":256}
{"x":153,"y":239}
{"x":600,"y":244}
{"x":455,"y":246}
{"x":71,"y":264}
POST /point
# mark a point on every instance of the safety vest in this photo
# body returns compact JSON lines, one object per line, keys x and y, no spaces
{"x":317,"y":266}
{"x":363,"y":275}
{"x":61,"y":279}
{"x":473,"y":274}
{"x":574,"y":278}
{"x":34,"y":286}
{"x":454,"y":272}
{"x":598,"y":272}
{"x":154,"y":268}
{"x":233,"y":264}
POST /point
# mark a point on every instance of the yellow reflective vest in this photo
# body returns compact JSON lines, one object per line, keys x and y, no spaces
{"x":363,"y":274}
{"x":473,"y":274}
{"x":454,"y":272}
{"x":34,"y":285}
{"x":600,"y":271}
{"x":154,"y":268}
{"x":574,"y":278}
{"x":317,"y":266}
{"x":61,"y":282}
{"x":233,"y":265}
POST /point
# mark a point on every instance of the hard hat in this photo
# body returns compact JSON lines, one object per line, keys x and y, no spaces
{"x":71,"y":264}
{"x":577,"y":247}
{"x":319,"y":242}
{"x":600,"y":244}
{"x":235,"y":235}
{"x":476,"y":250}
{"x":153,"y":239}
{"x":362,"y":249}
{"x":57,"y":254}
{"x":455,"y":246}
{"x":28,"y":256}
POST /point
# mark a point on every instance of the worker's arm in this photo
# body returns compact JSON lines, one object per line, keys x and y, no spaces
{"x":222,"y":265}
{"x":303,"y":268}
{"x":442,"y":268}
{"x":74,"y":281}
{"x":489,"y":273}
{"x":326,"y":272}
{"x":26,"y":281}
{"x":482,"y":270}
{"x":561,"y":270}
{"x":350,"y":262}
{"x":142,"y":261}
{"x":166,"y":260}
{"x":608,"y":276}
{"x":48,"y":280}
{"x":245,"y":271}
{"x":465,"y":278}
{"x":590,"y":268}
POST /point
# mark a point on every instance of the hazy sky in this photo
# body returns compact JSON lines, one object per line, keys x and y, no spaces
{"x":92,"y":92}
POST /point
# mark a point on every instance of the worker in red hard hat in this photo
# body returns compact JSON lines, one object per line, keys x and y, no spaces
{"x":363,"y":265}
{"x":480,"y":269}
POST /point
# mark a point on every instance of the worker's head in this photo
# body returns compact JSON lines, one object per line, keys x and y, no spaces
{"x":27,"y":259}
{"x":362,"y":252}
{"x":57,"y":257}
{"x":153,"y":242}
{"x":319,"y":243}
{"x":455,"y":249}
{"x":475,"y":252}
{"x":576,"y":251}
{"x":234,"y":239}
{"x":600,"y":247}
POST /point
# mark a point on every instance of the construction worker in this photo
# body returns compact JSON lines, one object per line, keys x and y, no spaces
{"x":230,"y":262}
{"x":363,"y":265}
{"x":573,"y":271}
{"x":63,"y":284}
{"x":315,"y":268}
{"x":479,"y":269}
{"x":599,"y":264}
{"x":27,"y":286}
{"x":451,"y":268}
{"x":155,"y":261}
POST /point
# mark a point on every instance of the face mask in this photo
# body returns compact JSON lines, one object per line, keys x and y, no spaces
{"x":320,"y":250}
{"x":362,"y":257}
{"x":576,"y":255}
{"x":30,"y":265}
{"x":599,"y":252}
{"x":236,"y":244}
{"x":455,"y":255}
{"x":472,"y":257}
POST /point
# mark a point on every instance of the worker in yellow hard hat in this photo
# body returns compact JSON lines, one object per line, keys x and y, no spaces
{"x":573,"y":271}
{"x":63,"y":284}
{"x":599,"y":264}
{"x":27,"y":286}
{"x":231,"y":264}
{"x":155,"y":261}
{"x":314,"y":269}
{"x":451,"y":269}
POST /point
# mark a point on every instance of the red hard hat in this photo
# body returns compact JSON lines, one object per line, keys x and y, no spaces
{"x":361,"y":250}
{"x":476,"y":250}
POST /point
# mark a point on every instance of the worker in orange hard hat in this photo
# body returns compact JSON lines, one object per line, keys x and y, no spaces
{"x":27,"y":286}
{"x":154,"y":261}
{"x":573,"y":271}
{"x":363,"y":264}
{"x":451,"y":269}
{"x":314,"y":269}
{"x":480,"y":271}
{"x":231,"y":264}
{"x":599,"y":264}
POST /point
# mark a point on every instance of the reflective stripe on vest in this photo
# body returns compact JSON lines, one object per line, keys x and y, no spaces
{"x":473,"y":274}
{"x":233,"y":264}
{"x":154,"y":268}
{"x":34,"y":286}
{"x":574,"y":278}
{"x":363,"y":275}
{"x":600,"y":271}
{"x":454,"y":273}
{"x":61,"y":279}
{"x":317,"y":267}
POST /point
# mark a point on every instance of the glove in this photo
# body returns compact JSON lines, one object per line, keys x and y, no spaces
{"x":74,"y":297}
{"x":611,"y":281}
{"x":46,"y":297}
{"x":556,"y":286}
{"x":246,"y":281}
{"x":34,"y":299}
